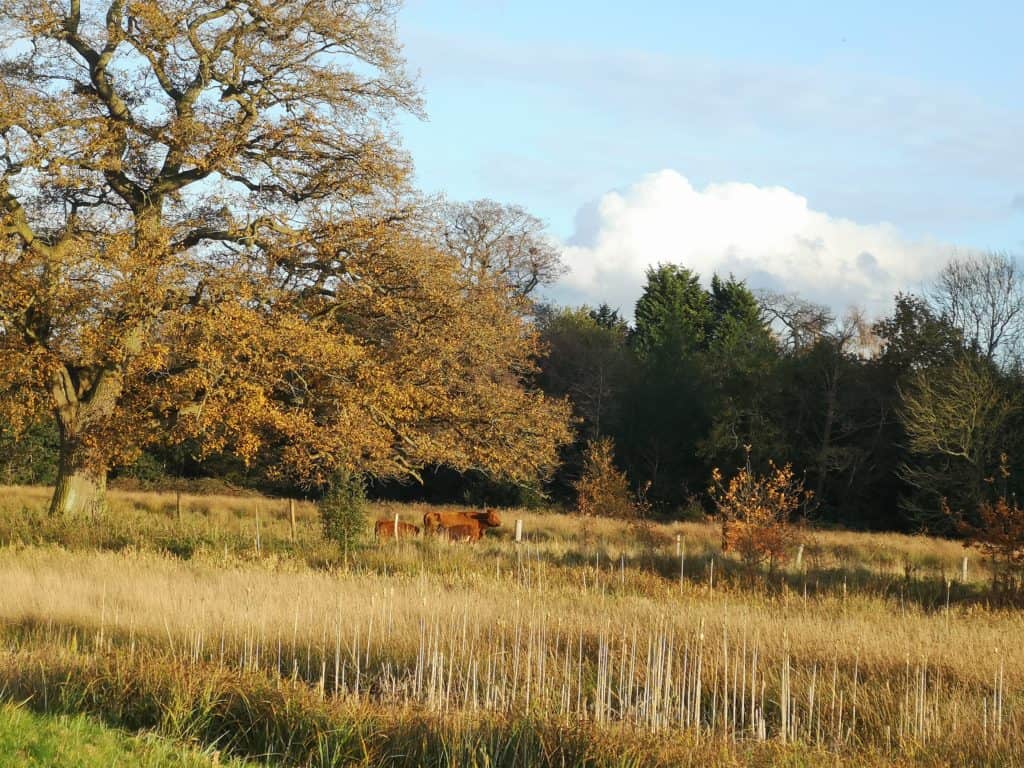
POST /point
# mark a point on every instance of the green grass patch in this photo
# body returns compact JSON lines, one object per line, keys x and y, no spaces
{"x":30,"y":740}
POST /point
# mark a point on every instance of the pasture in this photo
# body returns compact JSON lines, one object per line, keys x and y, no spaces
{"x":592,"y":642}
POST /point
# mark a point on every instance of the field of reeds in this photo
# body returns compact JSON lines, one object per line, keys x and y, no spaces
{"x":218,"y":622}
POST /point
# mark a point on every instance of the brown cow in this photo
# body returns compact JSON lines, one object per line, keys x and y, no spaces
{"x":438,"y":522}
{"x":385,"y":529}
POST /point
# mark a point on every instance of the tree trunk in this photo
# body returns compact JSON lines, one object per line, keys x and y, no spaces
{"x":81,"y":486}
{"x":82,"y":405}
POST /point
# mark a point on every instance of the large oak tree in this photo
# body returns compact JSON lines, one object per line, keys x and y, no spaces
{"x":206,"y":234}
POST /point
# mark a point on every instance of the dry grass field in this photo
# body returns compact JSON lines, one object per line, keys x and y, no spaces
{"x":590,"y":643}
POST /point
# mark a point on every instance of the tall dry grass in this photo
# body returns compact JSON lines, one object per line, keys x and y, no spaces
{"x":869,"y":650}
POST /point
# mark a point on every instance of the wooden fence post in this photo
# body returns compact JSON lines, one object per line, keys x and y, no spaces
{"x":963,"y":571}
{"x":682,"y":565}
{"x":257,"y":527}
{"x":291,"y":517}
{"x":177,"y":505}
{"x":396,"y":526}
{"x":519,"y":531}
{"x":679,"y":544}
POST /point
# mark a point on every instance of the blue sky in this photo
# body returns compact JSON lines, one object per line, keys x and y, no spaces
{"x":895,"y":131}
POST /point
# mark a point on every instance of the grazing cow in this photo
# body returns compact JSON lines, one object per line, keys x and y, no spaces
{"x":385,"y":529}
{"x":436,"y":521}
{"x":439,"y":522}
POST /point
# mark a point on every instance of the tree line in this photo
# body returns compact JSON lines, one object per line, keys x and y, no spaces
{"x":910,"y":422}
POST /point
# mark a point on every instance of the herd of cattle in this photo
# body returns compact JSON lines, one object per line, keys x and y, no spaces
{"x":455,"y":526}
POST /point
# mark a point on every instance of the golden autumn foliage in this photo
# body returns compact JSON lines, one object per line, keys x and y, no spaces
{"x":603,"y":490}
{"x":207,"y":233}
{"x":757,"y":512}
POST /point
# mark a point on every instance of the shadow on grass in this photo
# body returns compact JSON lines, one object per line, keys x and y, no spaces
{"x":931,"y":592}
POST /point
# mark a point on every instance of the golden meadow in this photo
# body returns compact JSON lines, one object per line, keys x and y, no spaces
{"x":592,"y":642}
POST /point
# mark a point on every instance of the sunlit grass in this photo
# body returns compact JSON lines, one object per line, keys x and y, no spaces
{"x":30,"y":740}
{"x":871,"y":648}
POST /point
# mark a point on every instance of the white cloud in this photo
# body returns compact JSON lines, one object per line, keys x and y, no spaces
{"x":768,"y":236}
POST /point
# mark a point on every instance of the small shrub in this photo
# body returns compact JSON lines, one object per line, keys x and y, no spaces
{"x":757,"y":513}
{"x":603,"y":491}
{"x":343,"y":511}
{"x":999,"y":533}
{"x":641,"y":526}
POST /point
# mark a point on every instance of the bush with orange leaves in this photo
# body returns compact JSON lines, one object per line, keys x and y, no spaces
{"x":757,"y":512}
{"x":999,"y":532}
{"x":603,"y":490}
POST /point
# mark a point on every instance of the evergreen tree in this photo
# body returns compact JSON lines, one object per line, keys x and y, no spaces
{"x":609,"y":318}
{"x":740,"y":366}
{"x":667,"y":410}
{"x":916,"y":338}
{"x":674,"y":313}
